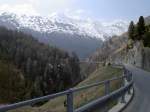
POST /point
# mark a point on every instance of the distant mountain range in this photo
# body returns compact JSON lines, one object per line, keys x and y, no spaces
{"x":81,"y":36}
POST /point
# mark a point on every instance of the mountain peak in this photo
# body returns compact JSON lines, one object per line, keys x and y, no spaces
{"x":61,"y":22}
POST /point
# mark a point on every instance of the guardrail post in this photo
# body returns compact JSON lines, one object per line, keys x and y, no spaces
{"x":107,"y":91}
{"x":130,"y":78}
{"x":107,"y":87}
{"x":123,"y":96}
{"x":70,"y":107}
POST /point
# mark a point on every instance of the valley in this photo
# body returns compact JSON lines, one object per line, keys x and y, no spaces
{"x":41,"y":55}
{"x":80,"y":36}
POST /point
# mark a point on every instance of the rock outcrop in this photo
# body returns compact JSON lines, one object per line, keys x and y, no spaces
{"x":138,"y":56}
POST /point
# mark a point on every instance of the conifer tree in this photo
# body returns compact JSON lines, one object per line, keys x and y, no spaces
{"x":141,"y":27}
{"x":146,"y":39}
{"x":131,"y":31}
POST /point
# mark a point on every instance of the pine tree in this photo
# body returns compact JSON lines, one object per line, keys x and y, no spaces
{"x":131,"y":31}
{"x":146,"y":39}
{"x":141,"y":27}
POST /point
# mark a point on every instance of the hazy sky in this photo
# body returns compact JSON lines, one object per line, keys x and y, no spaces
{"x":99,"y":9}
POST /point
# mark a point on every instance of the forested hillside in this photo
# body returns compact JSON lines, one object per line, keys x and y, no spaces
{"x":29,"y":68}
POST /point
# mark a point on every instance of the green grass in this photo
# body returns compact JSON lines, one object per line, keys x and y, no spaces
{"x":82,"y":97}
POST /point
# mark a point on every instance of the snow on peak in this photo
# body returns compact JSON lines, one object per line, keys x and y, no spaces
{"x":62,"y":22}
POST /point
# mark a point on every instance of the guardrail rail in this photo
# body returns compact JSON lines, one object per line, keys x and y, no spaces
{"x":69,"y":93}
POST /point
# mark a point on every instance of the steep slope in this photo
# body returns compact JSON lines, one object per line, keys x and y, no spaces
{"x":43,"y":69}
{"x":65,"y":32}
{"x":109,"y":47}
{"x":124,"y":49}
{"x":82,"y":97}
{"x":12,"y":83}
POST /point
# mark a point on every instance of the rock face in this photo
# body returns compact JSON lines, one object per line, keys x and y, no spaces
{"x":138,"y":56}
{"x":146,"y":58}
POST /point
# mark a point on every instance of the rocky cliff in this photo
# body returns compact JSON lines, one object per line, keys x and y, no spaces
{"x":146,"y":58}
{"x":138,"y":55}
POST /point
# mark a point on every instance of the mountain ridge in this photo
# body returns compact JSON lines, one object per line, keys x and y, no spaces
{"x":66,"y":24}
{"x":73,"y":35}
{"x":124,"y":49}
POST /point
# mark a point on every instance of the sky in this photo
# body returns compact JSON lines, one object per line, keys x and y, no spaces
{"x":97,"y":9}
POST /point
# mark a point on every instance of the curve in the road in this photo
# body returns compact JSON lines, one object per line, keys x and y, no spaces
{"x":141,"y":100}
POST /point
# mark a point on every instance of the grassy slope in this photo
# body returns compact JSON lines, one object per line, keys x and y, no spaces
{"x":82,"y":97}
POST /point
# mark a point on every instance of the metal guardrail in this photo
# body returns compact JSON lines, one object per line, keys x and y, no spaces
{"x":69,"y":93}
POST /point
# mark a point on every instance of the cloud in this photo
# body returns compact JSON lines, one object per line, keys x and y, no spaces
{"x":77,"y":14}
{"x":33,"y":2}
{"x":43,"y":7}
{"x":37,"y":7}
{"x":50,"y":6}
{"x":27,"y":9}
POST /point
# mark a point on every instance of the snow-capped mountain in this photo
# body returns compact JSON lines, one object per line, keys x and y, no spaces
{"x":64,"y":23}
{"x":65,"y":31}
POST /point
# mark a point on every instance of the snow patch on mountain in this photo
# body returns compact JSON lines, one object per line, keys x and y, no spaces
{"x":64,"y":23}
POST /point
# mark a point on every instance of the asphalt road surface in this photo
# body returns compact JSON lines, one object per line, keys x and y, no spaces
{"x":141,"y":100}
